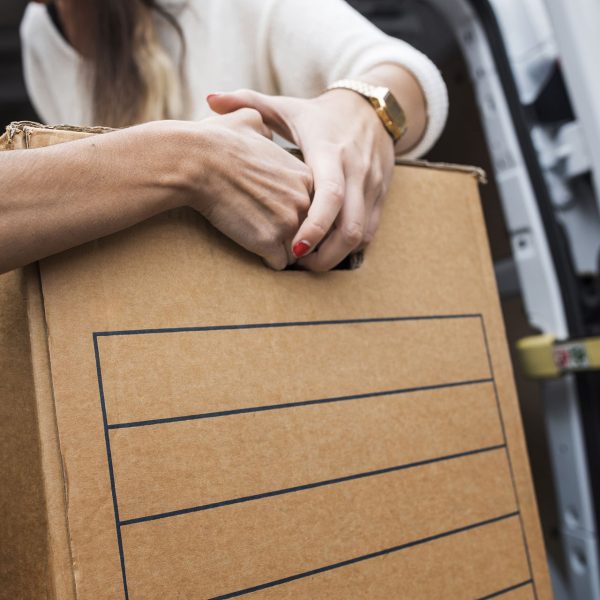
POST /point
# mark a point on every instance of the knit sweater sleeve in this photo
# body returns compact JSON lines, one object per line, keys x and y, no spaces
{"x":312,"y":43}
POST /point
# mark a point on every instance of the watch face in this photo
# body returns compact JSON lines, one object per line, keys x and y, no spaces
{"x":395,"y":111}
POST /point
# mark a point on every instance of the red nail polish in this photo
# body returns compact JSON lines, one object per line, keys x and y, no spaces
{"x":301,"y":248}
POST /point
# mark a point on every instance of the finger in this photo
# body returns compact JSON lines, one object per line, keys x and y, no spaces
{"x":278,"y":259}
{"x":374,"y":192}
{"x":373,"y":224}
{"x":271,"y":108}
{"x":376,"y":186}
{"x":347,"y":235}
{"x":329,"y":192}
{"x":255,"y":120}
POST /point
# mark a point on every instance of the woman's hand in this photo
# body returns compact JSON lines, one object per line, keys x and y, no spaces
{"x":249,"y":188}
{"x":227,"y":168}
{"x":349,"y":152}
{"x":351,"y":156}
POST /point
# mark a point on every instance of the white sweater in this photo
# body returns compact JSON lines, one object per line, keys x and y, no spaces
{"x":289,"y":47}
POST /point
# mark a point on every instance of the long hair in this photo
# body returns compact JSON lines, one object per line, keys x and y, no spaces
{"x":133,"y":77}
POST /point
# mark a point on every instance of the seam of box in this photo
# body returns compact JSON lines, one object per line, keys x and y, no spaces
{"x":60,"y":556}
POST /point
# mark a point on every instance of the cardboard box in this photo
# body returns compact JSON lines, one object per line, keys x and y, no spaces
{"x":179,"y":421}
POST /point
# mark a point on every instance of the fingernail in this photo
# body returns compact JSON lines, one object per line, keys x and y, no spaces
{"x":213,"y":95}
{"x":301,"y":248}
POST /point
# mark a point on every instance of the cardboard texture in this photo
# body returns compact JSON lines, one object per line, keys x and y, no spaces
{"x":182,"y":422}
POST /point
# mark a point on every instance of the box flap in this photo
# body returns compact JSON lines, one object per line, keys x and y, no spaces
{"x":27,"y":134}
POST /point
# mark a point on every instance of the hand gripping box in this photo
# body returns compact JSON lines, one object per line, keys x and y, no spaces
{"x":180,"y":422}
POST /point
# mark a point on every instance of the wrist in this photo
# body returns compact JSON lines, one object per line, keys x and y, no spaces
{"x":175,"y":165}
{"x":353,"y":104}
{"x":409,"y":94}
{"x":362,"y":122}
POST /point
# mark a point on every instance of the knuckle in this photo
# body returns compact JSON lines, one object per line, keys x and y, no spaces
{"x":341,"y":150}
{"x":363,"y":165}
{"x":289,"y":221}
{"x":369,"y":237}
{"x":245,"y":94}
{"x":267,"y":239}
{"x":376,"y":175}
{"x":302,"y":201}
{"x":307,"y":180}
{"x":275,"y":260}
{"x":352,"y":150}
{"x":250,"y":114}
{"x":352,"y":233}
{"x":335,"y":149}
{"x":279,"y":263}
{"x":317,"y":228}
{"x":334,"y":190}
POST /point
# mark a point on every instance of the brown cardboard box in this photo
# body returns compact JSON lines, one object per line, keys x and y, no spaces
{"x":178,"y":421}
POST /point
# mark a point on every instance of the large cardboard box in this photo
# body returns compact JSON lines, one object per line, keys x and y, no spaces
{"x":179,"y":421}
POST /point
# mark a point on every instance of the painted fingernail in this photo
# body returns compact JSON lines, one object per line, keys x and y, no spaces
{"x":301,"y":248}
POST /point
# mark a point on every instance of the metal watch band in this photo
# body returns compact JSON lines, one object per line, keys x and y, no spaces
{"x":393,"y":120}
{"x":364,"y":89}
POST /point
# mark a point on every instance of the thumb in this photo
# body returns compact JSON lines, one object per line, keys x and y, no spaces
{"x":271,"y":108}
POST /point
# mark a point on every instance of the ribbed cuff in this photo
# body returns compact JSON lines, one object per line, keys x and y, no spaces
{"x":427,"y":74}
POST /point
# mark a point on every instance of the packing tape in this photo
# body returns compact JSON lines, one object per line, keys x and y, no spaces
{"x":542,"y":357}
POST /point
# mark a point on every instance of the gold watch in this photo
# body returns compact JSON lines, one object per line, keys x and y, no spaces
{"x":382,"y":100}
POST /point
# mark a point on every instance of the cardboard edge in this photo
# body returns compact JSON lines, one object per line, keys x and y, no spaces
{"x":524,"y":487}
{"x":18,"y":135}
{"x":61,"y":572}
{"x":477,"y":172}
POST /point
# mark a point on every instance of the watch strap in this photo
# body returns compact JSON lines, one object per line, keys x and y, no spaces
{"x":383,"y":101}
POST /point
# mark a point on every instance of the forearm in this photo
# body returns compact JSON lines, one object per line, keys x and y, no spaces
{"x":61,"y":196}
{"x":408,"y":92}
